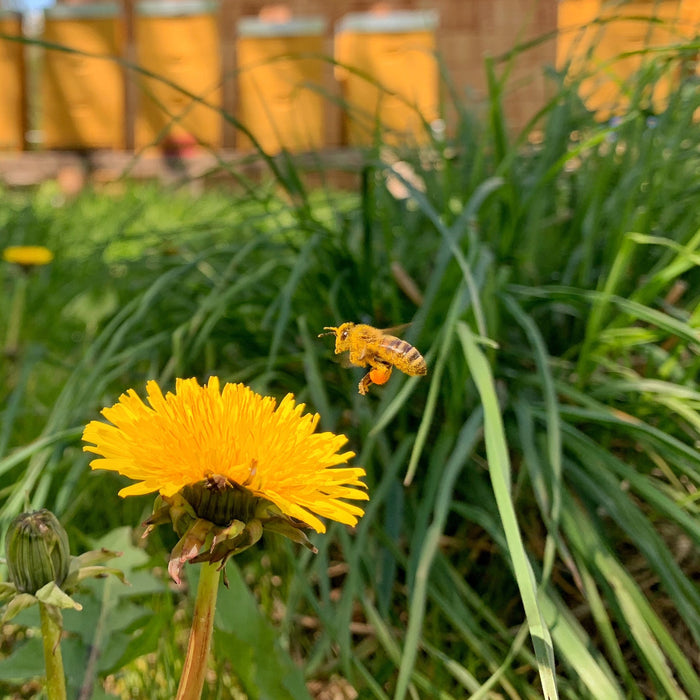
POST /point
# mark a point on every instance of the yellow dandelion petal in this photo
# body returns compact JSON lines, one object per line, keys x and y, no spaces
{"x":182,"y":438}
{"x":27,"y":255}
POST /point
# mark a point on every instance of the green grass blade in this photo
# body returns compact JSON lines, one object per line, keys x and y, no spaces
{"x":571,"y":641}
{"x":372,"y":685}
{"x":634,"y":310}
{"x":653,"y":641}
{"x":553,"y":428}
{"x":433,"y":392}
{"x":601,"y":617}
{"x":499,"y":470}
{"x":286,"y":294}
{"x":393,"y":650}
{"x":312,"y":372}
{"x":466,"y":441}
{"x":648,"y":489}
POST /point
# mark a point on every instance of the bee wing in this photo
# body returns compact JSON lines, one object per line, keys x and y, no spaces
{"x":342,"y":360}
{"x":396,"y":329}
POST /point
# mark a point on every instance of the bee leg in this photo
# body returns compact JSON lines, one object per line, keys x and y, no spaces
{"x":378,"y":374}
{"x":357,"y":358}
{"x":365,"y":383}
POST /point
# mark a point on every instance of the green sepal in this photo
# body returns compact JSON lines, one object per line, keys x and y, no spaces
{"x":7,"y":590}
{"x":226,"y":548}
{"x":95,"y":556}
{"x":182,"y":514}
{"x":266,"y":510}
{"x":20,"y":602}
{"x":188,"y":546}
{"x":85,"y":566}
{"x":283,"y":526}
{"x":52,"y":596}
{"x":159,"y":516}
{"x":230,"y":532}
{"x":216,"y":519}
{"x":86,"y":572}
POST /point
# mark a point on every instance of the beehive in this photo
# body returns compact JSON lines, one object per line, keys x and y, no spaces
{"x":82,"y":94}
{"x":608,"y":43}
{"x":178,"y":41}
{"x":280,"y":83}
{"x":388,"y":71}
{"x":12,"y":81}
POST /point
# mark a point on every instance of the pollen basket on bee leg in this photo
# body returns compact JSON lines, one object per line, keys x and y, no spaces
{"x":380,"y":375}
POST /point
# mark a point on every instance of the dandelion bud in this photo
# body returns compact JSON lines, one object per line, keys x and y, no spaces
{"x":37,"y":551}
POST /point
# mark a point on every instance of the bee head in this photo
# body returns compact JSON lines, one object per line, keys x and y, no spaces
{"x":341,"y":335}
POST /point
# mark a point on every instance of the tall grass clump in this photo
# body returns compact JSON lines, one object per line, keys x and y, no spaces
{"x":533,"y":515}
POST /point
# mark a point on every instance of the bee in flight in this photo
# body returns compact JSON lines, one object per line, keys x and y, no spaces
{"x":374,"y":347}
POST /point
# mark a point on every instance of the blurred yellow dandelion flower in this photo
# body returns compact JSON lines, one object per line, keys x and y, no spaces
{"x":27,"y":255}
{"x":200,"y":433}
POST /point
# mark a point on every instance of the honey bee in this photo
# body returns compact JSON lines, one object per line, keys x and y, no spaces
{"x":374,"y":347}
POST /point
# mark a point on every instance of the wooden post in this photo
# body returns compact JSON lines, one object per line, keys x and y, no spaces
{"x":130,"y":76}
{"x":228,"y":17}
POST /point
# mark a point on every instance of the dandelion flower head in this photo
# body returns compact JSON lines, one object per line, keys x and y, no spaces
{"x":27,"y":255}
{"x":199,"y":432}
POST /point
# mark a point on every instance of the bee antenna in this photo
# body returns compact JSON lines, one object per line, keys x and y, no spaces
{"x":331,"y":331}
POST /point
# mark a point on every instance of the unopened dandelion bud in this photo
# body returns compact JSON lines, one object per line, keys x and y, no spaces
{"x":37,"y":551}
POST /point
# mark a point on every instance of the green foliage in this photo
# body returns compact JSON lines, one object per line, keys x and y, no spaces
{"x":547,"y":532}
{"x":262,"y":667}
{"x":108,"y":632}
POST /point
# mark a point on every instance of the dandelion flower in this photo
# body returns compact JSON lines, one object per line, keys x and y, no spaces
{"x":27,"y":255}
{"x":227,"y":465}
{"x":27,"y":258}
{"x":200,"y":434}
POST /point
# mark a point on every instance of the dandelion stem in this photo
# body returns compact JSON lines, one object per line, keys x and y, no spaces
{"x":195,"y":668}
{"x":51,"y":628}
{"x":14,"y":322}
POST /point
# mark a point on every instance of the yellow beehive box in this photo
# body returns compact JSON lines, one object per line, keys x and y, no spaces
{"x":388,"y":73}
{"x":82,"y":89}
{"x":179,"y":42}
{"x":280,"y":83}
{"x":607,"y":43}
{"x":12,"y":112}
